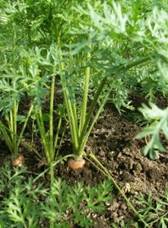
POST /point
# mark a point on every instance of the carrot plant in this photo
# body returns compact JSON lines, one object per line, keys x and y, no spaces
{"x":13,"y":121}
{"x":104,"y":37}
{"x":83,"y":116}
{"x":41,"y":90}
{"x":48,"y":138}
{"x":9,"y":128}
{"x":39,"y":28}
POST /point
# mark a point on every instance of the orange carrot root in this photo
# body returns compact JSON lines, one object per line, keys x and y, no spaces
{"x":19,"y":161}
{"x":76,"y":164}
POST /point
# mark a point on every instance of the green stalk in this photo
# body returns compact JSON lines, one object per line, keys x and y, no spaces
{"x":57,"y":133}
{"x":24,"y":126}
{"x":72,"y":120}
{"x":7,"y":136}
{"x":60,"y":142}
{"x":72,"y":116}
{"x":104,"y":81}
{"x":75,"y":115}
{"x":85,"y":136}
{"x":93,"y":105}
{"x":14,"y":122}
{"x":48,"y":141}
{"x":10,"y":122}
{"x":51,"y":130}
{"x":11,"y":137}
{"x":14,"y":114}
{"x":85,"y":131}
{"x":43,"y":134}
{"x":83,"y":111}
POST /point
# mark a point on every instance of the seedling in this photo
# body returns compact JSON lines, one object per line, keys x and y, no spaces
{"x":83,"y":116}
{"x":11,"y":134}
{"x":50,"y":138}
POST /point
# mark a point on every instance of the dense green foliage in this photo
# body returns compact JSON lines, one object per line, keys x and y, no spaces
{"x":60,"y":63}
{"x":27,"y":203}
{"x":101,"y":50}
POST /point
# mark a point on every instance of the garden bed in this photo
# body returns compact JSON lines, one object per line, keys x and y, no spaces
{"x":83,"y":113}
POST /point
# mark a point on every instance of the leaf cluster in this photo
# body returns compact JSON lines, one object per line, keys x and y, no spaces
{"x":158,"y":123}
{"x":28,"y":203}
{"x":154,"y":211}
